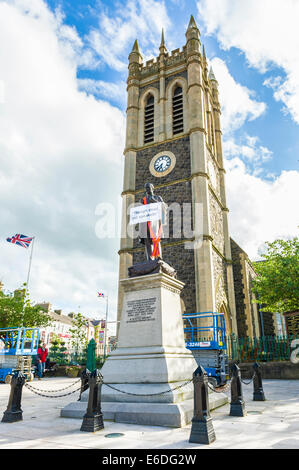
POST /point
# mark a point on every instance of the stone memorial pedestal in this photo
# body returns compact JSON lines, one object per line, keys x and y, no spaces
{"x":151,"y":358}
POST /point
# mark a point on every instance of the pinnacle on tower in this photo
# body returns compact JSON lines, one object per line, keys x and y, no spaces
{"x":135,"y":55}
{"x":204,"y":52}
{"x":162,"y":38}
{"x":192,"y":23}
{"x":162,"y":45}
{"x":212,"y":75}
{"x":193,"y":36}
{"x":136,"y":47}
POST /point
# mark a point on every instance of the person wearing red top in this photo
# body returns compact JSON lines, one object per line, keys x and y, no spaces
{"x":42,"y":354}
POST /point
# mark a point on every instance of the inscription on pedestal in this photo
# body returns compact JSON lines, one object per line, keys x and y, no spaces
{"x":141,"y":310}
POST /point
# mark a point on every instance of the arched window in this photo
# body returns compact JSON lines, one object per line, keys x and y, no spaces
{"x":177,"y":111}
{"x":149,"y":119}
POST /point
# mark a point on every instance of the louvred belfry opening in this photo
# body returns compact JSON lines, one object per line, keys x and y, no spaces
{"x":177,"y":111}
{"x":149,"y":120}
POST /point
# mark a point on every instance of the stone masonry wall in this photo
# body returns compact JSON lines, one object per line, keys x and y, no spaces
{"x":180,"y":192}
{"x":220,"y":281}
{"x":181,"y":150}
{"x":239,"y":294}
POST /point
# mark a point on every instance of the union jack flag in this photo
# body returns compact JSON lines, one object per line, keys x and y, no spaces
{"x":20,"y":240}
{"x":100,"y":294}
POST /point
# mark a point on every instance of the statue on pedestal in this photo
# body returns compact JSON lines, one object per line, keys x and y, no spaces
{"x":152,"y":231}
{"x":151,"y":234}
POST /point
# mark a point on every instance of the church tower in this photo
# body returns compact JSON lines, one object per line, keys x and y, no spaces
{"x":174,"y":112}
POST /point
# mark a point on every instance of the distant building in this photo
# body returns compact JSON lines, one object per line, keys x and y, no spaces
{"x":60,"y":326}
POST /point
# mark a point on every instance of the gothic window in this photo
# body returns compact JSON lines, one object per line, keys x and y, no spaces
{"x":149,"y":119}
{"x":177,"y":111}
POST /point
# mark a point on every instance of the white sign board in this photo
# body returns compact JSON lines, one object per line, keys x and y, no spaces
{"x":145,"y":213}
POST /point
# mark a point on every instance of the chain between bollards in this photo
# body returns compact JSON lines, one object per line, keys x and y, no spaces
{"x":202,"y":428}
{"x":52,"y":391}
{"x":149,"y":394}
{"x":50,"y":396}
{"x":250,"y":381}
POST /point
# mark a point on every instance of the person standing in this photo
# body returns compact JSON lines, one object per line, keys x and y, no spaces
{"x":42,"y":354}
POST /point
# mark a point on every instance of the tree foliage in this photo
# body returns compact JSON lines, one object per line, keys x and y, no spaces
{"x":11,"y":308}
{"x":277,"y":285}
{"x":78,"y":332}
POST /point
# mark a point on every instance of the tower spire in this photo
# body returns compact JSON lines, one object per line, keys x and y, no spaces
{"x":135,"y":55}
{"x":193,"y":37}
{"x":162,"y":45}
{"x":212,"y":75}
{"x":136,"y":47}
{"x":135,"y":59}
{"x":192,"y":23}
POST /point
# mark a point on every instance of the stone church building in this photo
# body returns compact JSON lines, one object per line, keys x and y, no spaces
{"x":174,"y":112}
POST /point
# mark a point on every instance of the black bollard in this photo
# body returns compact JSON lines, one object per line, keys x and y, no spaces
{"x":258,"y":392}
{"x":14,"y":412}
{"x":237,"y":404}
{"x":93,"y":418}
{"x":202,"y":430}
{"x":84,"y":381}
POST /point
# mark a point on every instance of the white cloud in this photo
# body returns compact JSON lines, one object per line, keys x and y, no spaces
{"x":267,"y":32}
{"x":116,"y":33}
{"x":237,"y":101}
{"x":112,"y":91}
{"x":249,"y":149}
{"x":60,"y":155}
{"x":260,"y":210}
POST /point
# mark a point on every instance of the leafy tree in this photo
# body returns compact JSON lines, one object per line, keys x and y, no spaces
{"x":78,"y":332}
{"x":57,"y":350}
{"x":277,"y":285}
{"x":11,"y":311}
{"x":63,"y":349}
{"x":54,"y":348}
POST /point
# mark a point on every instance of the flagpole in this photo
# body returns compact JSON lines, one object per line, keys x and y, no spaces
{"x":28,"y":277}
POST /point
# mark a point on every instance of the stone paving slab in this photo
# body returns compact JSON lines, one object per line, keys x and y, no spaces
{"x":275,"y":427}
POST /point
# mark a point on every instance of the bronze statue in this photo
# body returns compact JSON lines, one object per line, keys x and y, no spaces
{"x":152,"y":231}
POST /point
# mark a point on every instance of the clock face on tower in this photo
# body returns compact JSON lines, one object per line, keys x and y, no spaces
{"x":162,"y":164}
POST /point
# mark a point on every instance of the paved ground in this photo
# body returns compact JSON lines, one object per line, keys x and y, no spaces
{"x":271,"y":424}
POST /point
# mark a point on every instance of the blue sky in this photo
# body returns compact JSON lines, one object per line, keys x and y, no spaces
{"x":275,"y":129}
{"x":63,"y":70}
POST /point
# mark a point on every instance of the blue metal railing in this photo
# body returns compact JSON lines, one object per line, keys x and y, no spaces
{"x":19,"y":341}
{"x":210,"y":336}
